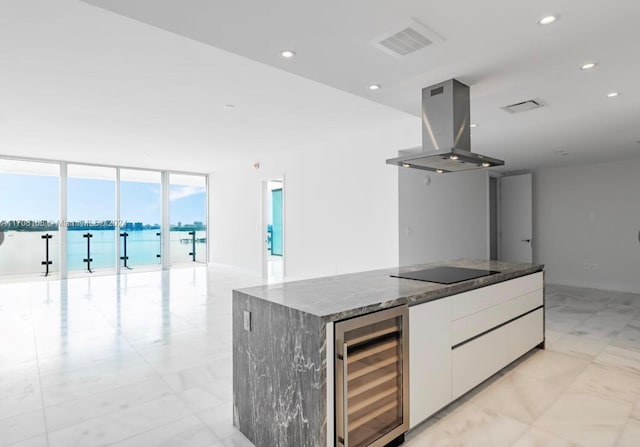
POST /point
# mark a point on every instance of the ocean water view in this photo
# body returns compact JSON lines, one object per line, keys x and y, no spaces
{"x":22,"y":252}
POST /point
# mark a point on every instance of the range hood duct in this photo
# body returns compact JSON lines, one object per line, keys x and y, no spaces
{"x":446,"y":133}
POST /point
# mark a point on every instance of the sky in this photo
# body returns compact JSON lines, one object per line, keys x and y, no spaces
{"x":31,"y":197}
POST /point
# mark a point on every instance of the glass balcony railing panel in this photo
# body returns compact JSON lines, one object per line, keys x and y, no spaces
{"x":101,"y":249}
{"x":181,"y":246}
{"x":201,"y":246}
{"x":28,"y":210}
{"x":24,"y":252}
{"x":143,"y":248}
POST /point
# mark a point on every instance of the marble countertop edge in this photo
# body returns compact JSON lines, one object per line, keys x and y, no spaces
{"x":341,"y":297}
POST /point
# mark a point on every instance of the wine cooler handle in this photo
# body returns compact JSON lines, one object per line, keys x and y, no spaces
{"x":345,"y":392}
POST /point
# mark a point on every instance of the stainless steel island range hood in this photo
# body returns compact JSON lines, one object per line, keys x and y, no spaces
{"x":446,"y":133}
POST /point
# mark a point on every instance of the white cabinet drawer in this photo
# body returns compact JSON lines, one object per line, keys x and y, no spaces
{"x":429,"y":359}
{"x":525,"y":333}
{"x":478,"y":360}
{"x":474,"y":301}
{"x":471,"y":325}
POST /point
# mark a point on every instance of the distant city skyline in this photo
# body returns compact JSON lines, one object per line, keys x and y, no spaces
{"x":29,"y":197}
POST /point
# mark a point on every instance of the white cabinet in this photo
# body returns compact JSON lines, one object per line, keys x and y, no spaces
{"x":429,"y":359}
{"x":458,"y":342}
{"x":493,"y":326}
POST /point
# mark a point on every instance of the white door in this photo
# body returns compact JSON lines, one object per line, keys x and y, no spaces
{"x":516,"y":218}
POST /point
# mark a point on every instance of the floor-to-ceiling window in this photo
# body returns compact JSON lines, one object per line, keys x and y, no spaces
{"x":188,"y":217}
{"x":29,"y":237}
{"x":141,"y":219}
{"x":77,"y":219}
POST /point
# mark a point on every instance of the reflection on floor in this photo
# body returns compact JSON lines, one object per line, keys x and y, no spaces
{"x":145,"y":360}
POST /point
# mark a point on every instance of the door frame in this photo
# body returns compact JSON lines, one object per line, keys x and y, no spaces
{"x":532,"y":236}
{"x":264,"y":222}
{"x":498,"y":177}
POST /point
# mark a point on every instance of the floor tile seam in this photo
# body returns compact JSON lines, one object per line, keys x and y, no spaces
{"x":617,"y":368}
{"x":555,"y":435}
{"x":622,"y":426}
{"x":155,"y":428}
{"x":478,"y":409}
{"x":176,"y":394}
{"x":592,"y":363}
{"x":122,"y":333}
{"x":35,"y":342}
{"x":110,"y":413}
{"x":551,"y":403}
{"x":156,"y":372}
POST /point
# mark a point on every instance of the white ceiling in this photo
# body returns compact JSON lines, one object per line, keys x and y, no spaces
{"x":79,"y":83}
{"x":115,"y":88}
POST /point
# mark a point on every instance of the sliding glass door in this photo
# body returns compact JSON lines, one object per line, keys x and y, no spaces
{"x":29,"y":237}
{"x":141,"y":217}
{"x":91,"y":224}
{"x":188,"y":217}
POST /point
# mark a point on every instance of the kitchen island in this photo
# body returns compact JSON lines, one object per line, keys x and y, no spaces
{"x":284,"y":350}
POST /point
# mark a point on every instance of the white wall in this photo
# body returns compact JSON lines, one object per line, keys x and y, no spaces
{"x":341,"y":204}
{"x":589,"y":214}
{"x":443,"y":216}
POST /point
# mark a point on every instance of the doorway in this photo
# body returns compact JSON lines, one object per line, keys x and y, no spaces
{"x":516,"y":218}
{"x":494,"y":218}
{"x":273,"y":229}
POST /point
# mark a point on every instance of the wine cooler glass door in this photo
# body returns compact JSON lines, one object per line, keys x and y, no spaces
{"x":372,"y":394}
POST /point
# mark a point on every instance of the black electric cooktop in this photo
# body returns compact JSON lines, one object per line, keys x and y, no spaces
{"x":445,"y":275}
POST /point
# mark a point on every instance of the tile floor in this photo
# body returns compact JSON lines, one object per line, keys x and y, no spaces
{"x":145,"y":360}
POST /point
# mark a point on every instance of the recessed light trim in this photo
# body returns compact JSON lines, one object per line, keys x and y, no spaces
{"x":486,"y":164}
{"x":453,"y":157}
{"x":406,"y":165}
{"x":229,"y":106}
{"x":439,"y":171}
{"x":589,"y":66}
{"x":473,"y":126}
{"x":374,"y":87}
{"x":613,"y":94}
{"x":548,"y":20}
{"x":287,"y":54}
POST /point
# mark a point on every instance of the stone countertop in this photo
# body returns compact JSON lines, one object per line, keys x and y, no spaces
{"x":335,"y":298}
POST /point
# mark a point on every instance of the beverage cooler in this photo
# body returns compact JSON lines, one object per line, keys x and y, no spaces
{"x":372,"y":379}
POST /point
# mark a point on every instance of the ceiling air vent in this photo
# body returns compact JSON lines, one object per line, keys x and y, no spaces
{"x":406,"y":39}
{"x":523,"y":106}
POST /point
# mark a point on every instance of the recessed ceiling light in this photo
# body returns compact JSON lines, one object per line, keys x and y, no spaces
{"x":229,"y":106}
{"x":613,"y":94}
{"x":453,"y":157}
{"x":473,"y":125}
{"x":588,"y":66}
{"x":486,"y":164}
{"x":439,"y":171}
{"x":547,"y":20}
{"x":374,"y":87}
{"x":406,"y":165}
{"x":287,"y":54}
